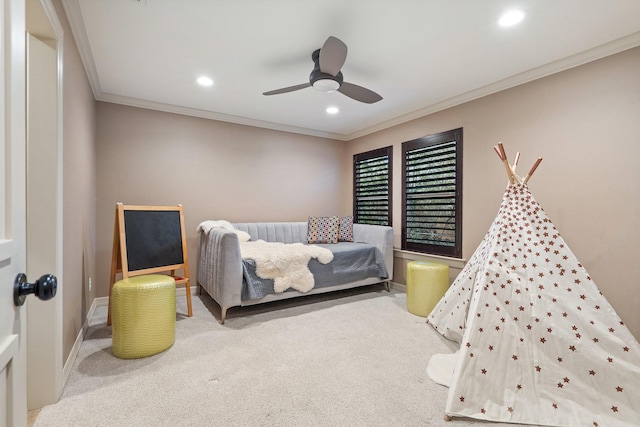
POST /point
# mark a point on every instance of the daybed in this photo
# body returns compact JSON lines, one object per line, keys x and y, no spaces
{"x":232,"y":281}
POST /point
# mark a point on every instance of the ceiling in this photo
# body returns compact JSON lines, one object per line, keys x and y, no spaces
{"x":421,"y":56}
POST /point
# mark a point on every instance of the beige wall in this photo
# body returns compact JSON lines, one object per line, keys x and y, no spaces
{"x":79,"y":185}
{"x":585,"y":123}
{"x":216,"y":170}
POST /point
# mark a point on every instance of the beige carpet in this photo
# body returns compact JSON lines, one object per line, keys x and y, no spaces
{"x":355,"y":358}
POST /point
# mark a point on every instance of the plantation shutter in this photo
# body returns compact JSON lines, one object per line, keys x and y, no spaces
{"x":372,"y":187}
{"x":432,"y":194}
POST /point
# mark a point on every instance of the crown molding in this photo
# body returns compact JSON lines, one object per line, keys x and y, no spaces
{"x":611,"y":48}
{"x":212,"y":115}
{"x":74,"y":14}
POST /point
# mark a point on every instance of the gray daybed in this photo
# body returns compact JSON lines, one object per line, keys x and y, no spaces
{"x":232,"y":281}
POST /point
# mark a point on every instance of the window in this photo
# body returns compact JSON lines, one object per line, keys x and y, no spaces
{"x":372,"y":187}
{"x":432,"y":194}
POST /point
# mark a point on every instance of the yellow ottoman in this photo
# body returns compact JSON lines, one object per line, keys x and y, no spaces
{"x":427,"y":282}
{"x":143,"y":315}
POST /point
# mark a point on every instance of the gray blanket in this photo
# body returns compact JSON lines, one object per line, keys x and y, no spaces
{"x":351,"y":262}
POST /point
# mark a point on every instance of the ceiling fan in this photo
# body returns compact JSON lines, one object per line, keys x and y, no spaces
{"x":326,"y":75}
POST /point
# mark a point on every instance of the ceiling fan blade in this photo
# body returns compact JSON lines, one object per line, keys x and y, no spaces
{"x":287,"y":89}
{"x":359,"y":93}
{"x":332,"y":56}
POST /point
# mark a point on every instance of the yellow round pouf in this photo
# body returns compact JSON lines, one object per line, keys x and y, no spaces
{"x":143,"y":315}
{"x":427,"y":282}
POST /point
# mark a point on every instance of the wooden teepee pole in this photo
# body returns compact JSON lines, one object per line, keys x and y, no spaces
{"x":533,"y":169}
{"x":511,"y":170}
{"x":515,"y":162}
{"x":499,"y":149}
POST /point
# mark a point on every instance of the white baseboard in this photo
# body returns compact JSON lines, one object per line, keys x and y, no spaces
{"x":182,"y":292}
{"x":73,"y":355}
{"x":399,"y":287}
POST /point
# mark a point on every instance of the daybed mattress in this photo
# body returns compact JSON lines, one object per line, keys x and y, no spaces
{"x":351,"y":262}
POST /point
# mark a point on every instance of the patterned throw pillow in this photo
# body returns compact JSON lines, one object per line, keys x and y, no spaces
{"x":345,"y":233}
{"x":322,"y":229}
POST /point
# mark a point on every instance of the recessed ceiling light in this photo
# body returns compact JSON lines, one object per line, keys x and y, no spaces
{"x":204,"y":81}
{"x":332,"y":110}
{"x":510,"y":18}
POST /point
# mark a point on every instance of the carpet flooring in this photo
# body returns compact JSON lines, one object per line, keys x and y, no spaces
{"x":351,"y":358}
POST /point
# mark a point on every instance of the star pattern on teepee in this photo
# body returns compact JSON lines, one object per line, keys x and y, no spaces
{"x":539,"y":342}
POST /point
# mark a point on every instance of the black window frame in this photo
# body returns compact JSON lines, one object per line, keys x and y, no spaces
{"x":358,"y":160}
{"x":438,"y":244}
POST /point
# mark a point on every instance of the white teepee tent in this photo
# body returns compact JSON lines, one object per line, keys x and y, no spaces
{"x":539,"y":343}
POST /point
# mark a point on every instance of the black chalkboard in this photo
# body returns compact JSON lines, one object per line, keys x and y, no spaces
{"x":153,"y":238}
{"x":149,"y":240}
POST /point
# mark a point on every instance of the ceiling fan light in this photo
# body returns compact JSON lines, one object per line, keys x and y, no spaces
{"x":326,"y":85}
{"x":204,"y":81}
{"x":511,"y":18}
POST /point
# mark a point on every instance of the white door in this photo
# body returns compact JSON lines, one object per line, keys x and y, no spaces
{"x":13,"y":406}
{"x":44,"y":318}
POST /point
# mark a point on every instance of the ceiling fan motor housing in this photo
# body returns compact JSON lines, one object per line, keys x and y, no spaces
{"x":323,"y":81}
{"x":327,"y":77}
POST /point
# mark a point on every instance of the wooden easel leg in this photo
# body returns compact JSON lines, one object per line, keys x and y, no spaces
{"x":188,"y":289}
{"x":115,"y":254}
{"x":185,"y":267}
{"x":109,"y":307}
{"x":112,"y":281}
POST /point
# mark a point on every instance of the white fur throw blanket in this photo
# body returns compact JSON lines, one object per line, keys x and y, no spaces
{"x":286,"y":264}
{"x":206,"y":226}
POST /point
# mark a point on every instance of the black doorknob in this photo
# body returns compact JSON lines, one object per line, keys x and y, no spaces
{"x":44,"y":288}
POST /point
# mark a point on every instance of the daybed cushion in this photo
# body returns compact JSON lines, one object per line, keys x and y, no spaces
{"x":351,"y":262}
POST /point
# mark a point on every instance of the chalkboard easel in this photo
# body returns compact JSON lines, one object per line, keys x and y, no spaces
{"x":148,"y":240}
